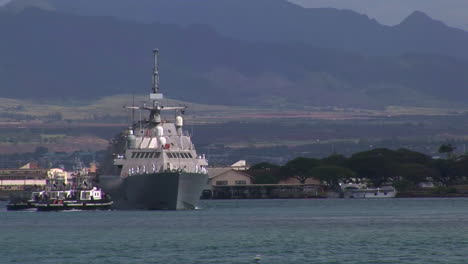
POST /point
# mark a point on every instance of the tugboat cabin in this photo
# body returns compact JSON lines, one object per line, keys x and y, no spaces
{"x":93,"y":194}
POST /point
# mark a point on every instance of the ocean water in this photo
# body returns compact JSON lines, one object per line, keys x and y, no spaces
{"x":235,"y":231}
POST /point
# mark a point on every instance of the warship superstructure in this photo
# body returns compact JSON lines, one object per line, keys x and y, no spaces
{"x":158,"y":165}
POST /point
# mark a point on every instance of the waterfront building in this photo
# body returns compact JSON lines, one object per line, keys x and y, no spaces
{"x":295,"y":181}
{"x":237,"y":182}
{"x":228,"y":177}
{"x":28,"y":177}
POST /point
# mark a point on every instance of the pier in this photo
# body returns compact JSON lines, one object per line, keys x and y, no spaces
{"x":265,"y":191}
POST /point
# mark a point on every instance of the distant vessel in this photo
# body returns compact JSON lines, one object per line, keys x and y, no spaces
{"x":357,"y":191}
{"x":59,"y":200}
{"x":159,"y":168}
{"x":93,"y":199}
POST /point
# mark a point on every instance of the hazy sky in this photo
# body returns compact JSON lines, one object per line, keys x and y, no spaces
{"x":391,"y":12}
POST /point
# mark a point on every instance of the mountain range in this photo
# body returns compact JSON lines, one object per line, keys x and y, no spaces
{"x":280,"y":21}
{"x":216,"y":52}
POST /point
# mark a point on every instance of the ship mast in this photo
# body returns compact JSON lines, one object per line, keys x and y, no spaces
{"x":156,"y":94}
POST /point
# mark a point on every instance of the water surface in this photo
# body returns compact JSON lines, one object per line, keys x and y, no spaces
{"x":234,"y":231}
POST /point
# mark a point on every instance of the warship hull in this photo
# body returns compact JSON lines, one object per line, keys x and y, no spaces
{"x":156,"y":191}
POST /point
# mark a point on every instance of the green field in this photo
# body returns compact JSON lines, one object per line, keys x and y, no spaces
{"x":227,"y":133}
{"x":111,"y":110}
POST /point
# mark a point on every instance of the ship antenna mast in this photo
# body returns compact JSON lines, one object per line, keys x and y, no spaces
{"x":133,"y":108}
{"x":156,"y":72}
{"x":155,"y":93}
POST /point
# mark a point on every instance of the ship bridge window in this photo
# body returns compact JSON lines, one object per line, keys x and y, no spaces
{"x":137,"y":156}
{"x":178,"y":155}
{"x":153,"y":155}
{"x":147,"y":154}
{"x":134,"y":154}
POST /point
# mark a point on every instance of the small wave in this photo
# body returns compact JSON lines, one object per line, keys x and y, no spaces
{"x":29,"y":210}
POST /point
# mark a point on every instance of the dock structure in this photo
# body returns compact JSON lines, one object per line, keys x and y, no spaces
{"x":265,"y":191}
{"x":238,"y":182}
{"x":20,"y":180}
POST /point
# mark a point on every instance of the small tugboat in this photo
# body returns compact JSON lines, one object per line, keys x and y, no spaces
{"x":19,"y":203}
{"x":93,"y":199}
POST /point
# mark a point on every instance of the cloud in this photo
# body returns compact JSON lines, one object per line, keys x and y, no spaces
{"x":452,"y":12}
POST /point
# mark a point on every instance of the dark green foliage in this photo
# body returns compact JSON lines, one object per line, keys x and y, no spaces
{"x":461,"y":166}
{"x":442,"y":190}
{"x":264,"y":165}
{"x":404,"y":185}
{"x":408,"y":156}
{"x":402,"y":168}
{"x":332,"y":175}
{"x":446,"y":172}
{"x":299,"y":168}
{"x":378,"y":165}
{"x":265,"y":176}
{"x":41,"y":150}
{"x":416,"y":173}
{"x":265,"y":173}
{"x":447,"y":149}
{"x":334,"y":160}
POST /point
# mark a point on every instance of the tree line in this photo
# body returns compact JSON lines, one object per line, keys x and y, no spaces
{"x":402,"y":168}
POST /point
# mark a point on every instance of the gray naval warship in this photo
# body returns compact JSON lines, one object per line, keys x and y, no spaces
{"x":158,"y":166}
